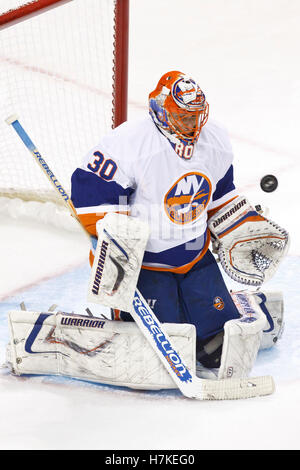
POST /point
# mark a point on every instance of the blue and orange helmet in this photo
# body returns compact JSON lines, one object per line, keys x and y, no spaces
{"x":178,"y":107}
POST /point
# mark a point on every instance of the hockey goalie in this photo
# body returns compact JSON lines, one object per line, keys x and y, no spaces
{"x":158,"y":198}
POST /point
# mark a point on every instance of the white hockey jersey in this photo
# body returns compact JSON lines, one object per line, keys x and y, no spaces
{"x":135,"y":169}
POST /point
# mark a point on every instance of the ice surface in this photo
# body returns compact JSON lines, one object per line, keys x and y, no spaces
{"x":244,"y":54}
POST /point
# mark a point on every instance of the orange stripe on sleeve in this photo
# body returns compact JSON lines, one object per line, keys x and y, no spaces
{"x":91,"y":258}
{"x":89,"y":220}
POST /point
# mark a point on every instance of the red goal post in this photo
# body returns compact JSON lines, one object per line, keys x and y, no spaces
{"x":22,"y":10}
{"x":64,"y":72}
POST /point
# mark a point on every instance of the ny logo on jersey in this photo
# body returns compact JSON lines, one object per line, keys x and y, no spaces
{"x":187,"y":199}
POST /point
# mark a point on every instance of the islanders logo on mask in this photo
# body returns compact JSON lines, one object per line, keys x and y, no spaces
{"x":188,"y":197}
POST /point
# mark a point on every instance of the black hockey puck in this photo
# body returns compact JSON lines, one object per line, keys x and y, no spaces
{"x":269,"y":183}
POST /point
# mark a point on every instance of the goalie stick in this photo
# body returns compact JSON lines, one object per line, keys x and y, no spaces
{"x":189,"y":384}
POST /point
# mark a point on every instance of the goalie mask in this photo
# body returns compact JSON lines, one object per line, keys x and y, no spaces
{"x":179,"y":109}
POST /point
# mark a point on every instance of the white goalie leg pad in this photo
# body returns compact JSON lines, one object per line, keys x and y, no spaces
{"x":120,"y":249}
{"x":92,"y":349}
{"x":272,"y":305}
{"x":242,"y":338}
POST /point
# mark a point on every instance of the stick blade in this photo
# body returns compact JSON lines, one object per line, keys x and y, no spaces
{"x":232,"y":389}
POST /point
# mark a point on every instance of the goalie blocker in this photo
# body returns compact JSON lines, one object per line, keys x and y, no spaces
{"x":118,"y":258}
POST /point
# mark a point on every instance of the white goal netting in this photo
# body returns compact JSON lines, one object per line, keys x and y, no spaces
{"x":56,"y":75}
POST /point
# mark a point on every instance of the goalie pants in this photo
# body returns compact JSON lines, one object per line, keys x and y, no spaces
{"x":199,"y":297}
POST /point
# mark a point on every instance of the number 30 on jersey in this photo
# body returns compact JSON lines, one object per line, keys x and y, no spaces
{"x":106,"y":169}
